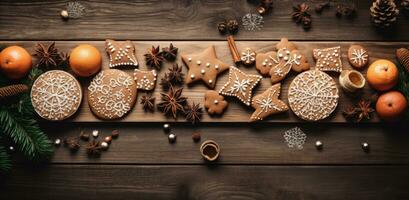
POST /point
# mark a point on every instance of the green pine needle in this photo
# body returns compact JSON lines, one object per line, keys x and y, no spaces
{"x":17,"y":121}
{"x":5,"y":162}
{"x":403,"y":86}
{"x":27,"y":135}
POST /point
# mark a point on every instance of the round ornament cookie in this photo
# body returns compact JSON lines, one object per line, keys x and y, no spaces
{"x":358,"y":56}
{"x":313,"y":95}
{"x":56,"y":95}
{"x":111,"y":94}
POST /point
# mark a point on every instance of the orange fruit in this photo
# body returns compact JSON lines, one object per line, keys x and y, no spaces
{"x":85,"y":60}
{"x":391,"y":105}
{"x":382,"y":75}
{"x":15,"y":62}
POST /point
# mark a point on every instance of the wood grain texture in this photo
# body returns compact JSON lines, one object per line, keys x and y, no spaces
{"x":236,"y":112}
{"x":181,"y":20}
{"x":146,"y":143}
{"x":206,"y":182}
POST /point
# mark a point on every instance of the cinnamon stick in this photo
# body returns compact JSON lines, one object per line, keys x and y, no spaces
{"x":233,"y":49}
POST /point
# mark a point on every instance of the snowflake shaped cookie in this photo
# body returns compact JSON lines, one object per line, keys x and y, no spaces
{"x":56,"y":95}
{"x":240,"y":85}
{"x":328,"y":59}
{"x":145,"y":80}
{"x":358,"y":57}
{"x":313,"y":95}
{"x":248,"y":56}
{"x":278,"y":63}
{"x":111,"y":94}
{"x":204,"y":66}
{"x":267,"y":103}
{"x":252,"y":21}
{"x":121,"y":53}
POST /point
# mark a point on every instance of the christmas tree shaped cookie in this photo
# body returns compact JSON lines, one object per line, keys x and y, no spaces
{"x":240,"y":85}
{"x":120,"y":53}
{"x":267,"y":103}
{"x":204,"y":66}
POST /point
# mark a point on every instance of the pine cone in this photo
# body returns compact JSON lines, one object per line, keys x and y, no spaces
{"x":403,"y":56}
{"x":384,"y":13}
{"x":12,"y":90}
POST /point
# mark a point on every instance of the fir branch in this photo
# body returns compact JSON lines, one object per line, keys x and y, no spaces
{"x":403,"y":86}
{"x":27,"y":135}
{"x":5,"y":162}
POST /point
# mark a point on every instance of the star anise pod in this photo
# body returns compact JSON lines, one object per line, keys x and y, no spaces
{"x":300,"y":12}
{"x":170,"y":53}
{"x":193,"y":113}
{"x":148,"y":103}
{"x":94,"y":148}
{"x":172,"y":102}
{"x":359,"y":112}
{"x":154,"y":57}
{"x":349,"y":112}
{"x":48,"y":56}
{"x":175,"y":74}
{"x":64,"y":59}
{"x":165,"y":82}
{"x":364,"y":110}
{"x":73,"y":143}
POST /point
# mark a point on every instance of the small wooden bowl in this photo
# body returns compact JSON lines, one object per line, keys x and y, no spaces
{"x":210,"y":150}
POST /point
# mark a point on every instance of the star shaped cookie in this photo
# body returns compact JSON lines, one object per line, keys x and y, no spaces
{"x":204,"y":66}
{"x":267,"y":103}
{"x":121,"y":53}
{"x":240,"y":85}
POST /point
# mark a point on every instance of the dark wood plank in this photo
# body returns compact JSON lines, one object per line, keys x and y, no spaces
{"x":204,"y":182}
{"x":179,"y":20}
{"x":146,"y":143}
{"x":236,"y":112}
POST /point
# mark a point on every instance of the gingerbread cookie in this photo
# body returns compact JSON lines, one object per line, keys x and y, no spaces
{"x":267,"y":103}
{"x":214,"y":102}
{"x":313,"y":95}
{"x":328,"y":59}
{"x":248,"y":56}
{"x":284,"y":43}
{"x":204,"y":66}
{"x":56,"y":95}
{"x":240,"y":85}
{"x":264,"y":62}
{"x":286,"y":60}
{"x":358,"y":56}
{"x":111,"y":94}
{"x":278,"y":64}
{"x":121,"y":53}
{"x":145,"y":80}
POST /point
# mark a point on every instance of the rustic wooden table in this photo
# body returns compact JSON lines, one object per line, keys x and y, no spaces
{"x":255,"y":162}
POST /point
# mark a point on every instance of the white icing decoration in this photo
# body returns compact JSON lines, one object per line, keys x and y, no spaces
{"x":289,"y":59}
{"x":111,"y":97}
{"x":121,"y":56}
{"x":328,"y":59}
{"x":248,"y":56}
{"x":240,"y":88}
{"x":148,"y":80}
{"x":56,"y":95}
{"x":359,"y":56}
{"x":313,"y":95}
